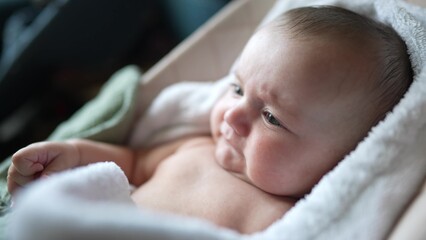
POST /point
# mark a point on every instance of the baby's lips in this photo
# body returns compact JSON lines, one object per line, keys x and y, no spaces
{"x":226,"y":130}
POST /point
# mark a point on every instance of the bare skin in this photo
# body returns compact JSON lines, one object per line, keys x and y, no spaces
{"x":210,"y":192}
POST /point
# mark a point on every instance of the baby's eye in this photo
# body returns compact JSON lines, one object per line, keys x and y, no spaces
{"x":237,"y":89}
{"x":271,"y":119}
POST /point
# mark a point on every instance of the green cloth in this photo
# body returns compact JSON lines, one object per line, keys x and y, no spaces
{"x":108,"y":118}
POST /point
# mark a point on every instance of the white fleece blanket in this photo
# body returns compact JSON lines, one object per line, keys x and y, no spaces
{"x":360,"y":199}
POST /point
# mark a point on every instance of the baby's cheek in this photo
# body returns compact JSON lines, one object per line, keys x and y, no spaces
{"x":215,"y":120}
{"x":262,"y":159}
{"x":268,"y":177}
{"x":217,"y":114}
{"x":268,"y":161}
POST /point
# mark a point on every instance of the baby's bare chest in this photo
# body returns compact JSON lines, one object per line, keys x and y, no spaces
{"x":192,"y":184}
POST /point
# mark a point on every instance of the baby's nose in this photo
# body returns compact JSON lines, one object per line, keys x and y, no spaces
{"x":238,"y":118}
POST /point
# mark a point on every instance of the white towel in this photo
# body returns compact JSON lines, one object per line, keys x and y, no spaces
{"x":180,"y":109}
{"x":360,"y":199}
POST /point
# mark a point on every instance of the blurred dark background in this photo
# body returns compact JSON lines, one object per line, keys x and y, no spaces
{"x":56,"y":54}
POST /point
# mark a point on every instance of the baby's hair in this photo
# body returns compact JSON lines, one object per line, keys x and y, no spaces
{"x":395,"y":71}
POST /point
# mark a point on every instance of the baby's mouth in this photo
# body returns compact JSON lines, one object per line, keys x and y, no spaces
{"x":226,"y":131}
{"x":230,"y":137}
{"x":230,"y":143}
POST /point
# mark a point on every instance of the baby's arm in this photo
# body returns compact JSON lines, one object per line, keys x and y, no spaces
{"x":44,"y":158}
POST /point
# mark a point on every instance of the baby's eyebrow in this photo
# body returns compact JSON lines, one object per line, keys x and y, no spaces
{"x":285,"y":108}
{"x":237,"y":76}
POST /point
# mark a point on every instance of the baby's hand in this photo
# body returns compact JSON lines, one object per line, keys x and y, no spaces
{"x":39,"y":160}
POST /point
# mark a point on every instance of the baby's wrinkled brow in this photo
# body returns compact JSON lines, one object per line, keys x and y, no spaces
{"x":237,"y":76}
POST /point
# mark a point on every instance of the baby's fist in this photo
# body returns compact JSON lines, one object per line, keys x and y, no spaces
{"x":40,"y":159}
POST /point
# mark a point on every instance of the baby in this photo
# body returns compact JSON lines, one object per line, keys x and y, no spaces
{"x":308,"y":87}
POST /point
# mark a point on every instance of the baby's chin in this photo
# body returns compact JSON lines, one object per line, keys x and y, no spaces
{"x":234,"y":166}
{"x":228,"y":158}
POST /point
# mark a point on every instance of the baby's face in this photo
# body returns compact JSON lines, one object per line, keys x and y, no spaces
{"x":294,"y":110}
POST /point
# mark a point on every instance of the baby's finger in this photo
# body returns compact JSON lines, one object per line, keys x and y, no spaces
{"x":27,"y":166}
{"x":15,"y":176}
{"x":54,"y":167}
{"x":12,"y":186}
